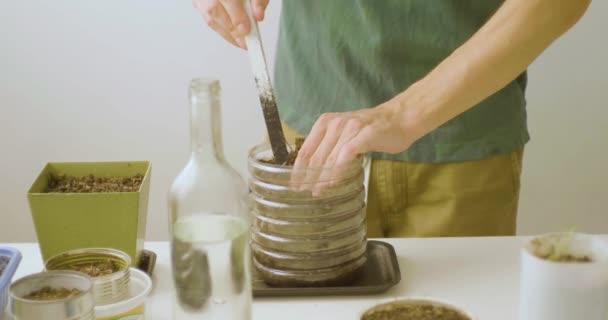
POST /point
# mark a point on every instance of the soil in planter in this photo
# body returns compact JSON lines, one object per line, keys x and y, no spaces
{"x":97,"y":269}
{"x":291,"y":157}
{"x":415,"y":311}
{"x":61,"y":183}
{"x":3,"y":263}
{"x":48,"y":293}
{"x":551,"y":251}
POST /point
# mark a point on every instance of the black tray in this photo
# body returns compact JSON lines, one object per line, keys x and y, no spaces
{"x":380,"y":272}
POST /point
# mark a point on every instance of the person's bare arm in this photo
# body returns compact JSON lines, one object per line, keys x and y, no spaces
{"x":500,"y":51}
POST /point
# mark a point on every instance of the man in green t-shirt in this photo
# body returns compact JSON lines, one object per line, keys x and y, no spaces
{"x":432,"y":90}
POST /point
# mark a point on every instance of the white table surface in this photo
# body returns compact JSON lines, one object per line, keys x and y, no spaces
{"x":480,"y":275}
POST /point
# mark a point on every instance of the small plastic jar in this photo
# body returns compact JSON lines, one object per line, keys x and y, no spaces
{"x":77,"y":307}
{"x":109,"y":288}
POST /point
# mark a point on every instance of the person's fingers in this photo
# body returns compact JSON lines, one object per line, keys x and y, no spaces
{"x":358,"y":145}
{"x":352,"y":127}
{"x":238,"y":16}
{"x":224,"y":20}
{"x":350,"y":130}
{"x":259,"y":9}
{"x":225,"y":34}
{"x":314,"y":138}
{"x":241,"y":42}
{"x":216,"y":18}
{"x":212,"y":10}
{"x":317,"y":170}
{"x":325,"y":148}
{"x":317,"y":166}
{"x":307,"y":150}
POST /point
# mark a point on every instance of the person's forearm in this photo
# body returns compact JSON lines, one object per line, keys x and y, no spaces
{"x":500,"y":51}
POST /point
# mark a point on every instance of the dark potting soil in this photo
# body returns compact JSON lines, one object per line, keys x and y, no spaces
{"x":48,"y":293}
{"x":272,"y":119}
{"x":61,"y":183}
{"x":291,"y":157}
{"x":415,"y":311}
{"x":3,"y":263}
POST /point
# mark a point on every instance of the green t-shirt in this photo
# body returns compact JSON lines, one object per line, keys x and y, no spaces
{"x":344,"y":55}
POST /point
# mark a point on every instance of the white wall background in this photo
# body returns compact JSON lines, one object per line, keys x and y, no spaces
{"x":107,"y":80}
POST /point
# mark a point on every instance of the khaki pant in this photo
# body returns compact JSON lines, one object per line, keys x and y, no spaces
{"x":470,"y":198}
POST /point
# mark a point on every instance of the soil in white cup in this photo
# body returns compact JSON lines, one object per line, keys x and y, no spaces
{"x":557,"y":250}
{"x":414,"y":311}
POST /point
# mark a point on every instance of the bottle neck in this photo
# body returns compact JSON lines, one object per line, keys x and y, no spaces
{"x":205,"y":117}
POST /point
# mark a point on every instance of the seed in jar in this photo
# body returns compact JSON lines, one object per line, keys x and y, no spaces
{"x":48,"y":293}
{"x":97,"y":269}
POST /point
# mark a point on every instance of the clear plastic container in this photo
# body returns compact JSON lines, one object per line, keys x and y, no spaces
{"x":303,"y":239}
{"x":309,"y":244}
{"x":9,"y":261}
{"x":334,"y":276}
{"x":311,"y":226}
{"x":309,"y":261}
{"x":133,"y":307}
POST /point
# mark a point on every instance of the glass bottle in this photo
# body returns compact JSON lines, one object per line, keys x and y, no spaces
{"x":208,"y":222}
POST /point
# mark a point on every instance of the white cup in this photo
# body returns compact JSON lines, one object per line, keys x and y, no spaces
{"x":565,"y":290}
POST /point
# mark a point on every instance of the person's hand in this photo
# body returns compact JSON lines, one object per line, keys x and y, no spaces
{"x":229,"y":17}
{"x":339,"y":138}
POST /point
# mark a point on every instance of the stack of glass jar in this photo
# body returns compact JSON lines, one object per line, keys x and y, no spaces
{"x":300,"y":238}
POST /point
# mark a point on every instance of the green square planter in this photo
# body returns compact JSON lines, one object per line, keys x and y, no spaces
{"x":66,"y":221}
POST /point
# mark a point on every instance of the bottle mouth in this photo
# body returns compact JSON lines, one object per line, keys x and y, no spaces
{"x":204,"y":86}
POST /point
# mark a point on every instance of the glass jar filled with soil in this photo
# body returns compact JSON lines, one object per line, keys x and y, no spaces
{"x":309,"y":226}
